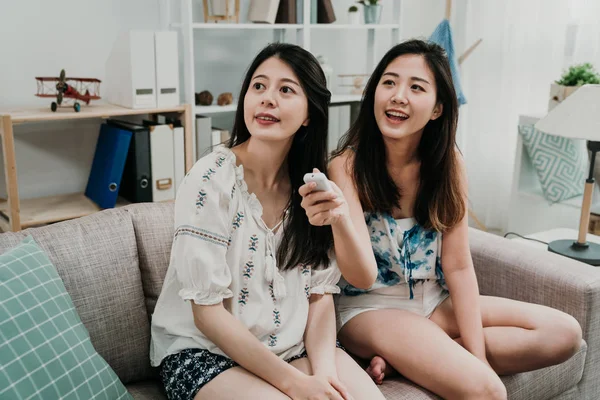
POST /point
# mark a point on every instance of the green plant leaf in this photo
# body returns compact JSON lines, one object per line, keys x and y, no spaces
{"x":579,"y":74}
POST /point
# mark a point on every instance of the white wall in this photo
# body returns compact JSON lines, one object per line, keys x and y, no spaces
{"x":77,"y":35}
{"x":39,"y":38}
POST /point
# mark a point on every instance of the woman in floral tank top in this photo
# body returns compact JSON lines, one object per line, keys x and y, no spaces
{"x":405,"y":184}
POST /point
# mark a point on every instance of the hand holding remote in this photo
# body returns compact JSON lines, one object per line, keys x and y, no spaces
{"x":322,"y":200}
{"x":321,"y":181}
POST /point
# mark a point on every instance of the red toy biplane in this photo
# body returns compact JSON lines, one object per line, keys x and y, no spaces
{"x":68,"y":90}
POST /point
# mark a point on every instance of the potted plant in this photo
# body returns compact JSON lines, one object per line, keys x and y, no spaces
{"x":571,"y":80}
{"x":353,"y":17}
{"x":372,"y":11}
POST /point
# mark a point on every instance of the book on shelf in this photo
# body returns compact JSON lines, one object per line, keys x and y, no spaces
{"x":137,"y":174}
{"x":154,"y":145}
{"x":178,"y":156}
{"x":325,"y":13}
{"x":110,"y":156}
{"x":167,"y":68}
{"x":263,"y":11}
{"x":219,"y":136}
{"x":203,"y":136}
{"x":300,"y":11}
{"x":286,"y":13}
{"x":178,"y":149}
{"x":162,"y":161}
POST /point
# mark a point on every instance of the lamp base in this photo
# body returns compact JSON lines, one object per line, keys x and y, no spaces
{"x":588,"y":253}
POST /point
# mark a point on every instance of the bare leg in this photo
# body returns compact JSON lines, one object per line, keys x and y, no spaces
{"x":350,"y":374}
{"x":519,"y":336}
{"x":422,"y":352}
{"x":237,"y":383}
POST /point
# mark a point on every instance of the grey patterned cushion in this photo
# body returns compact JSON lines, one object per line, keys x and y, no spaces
{"x":560,"y":163}
{"x":96,"y":257}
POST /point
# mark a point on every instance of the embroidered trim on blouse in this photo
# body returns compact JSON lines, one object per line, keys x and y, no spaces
{"x":202,"y":234}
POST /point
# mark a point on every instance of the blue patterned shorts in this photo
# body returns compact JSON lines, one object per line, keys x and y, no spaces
{"x":185,"y":373}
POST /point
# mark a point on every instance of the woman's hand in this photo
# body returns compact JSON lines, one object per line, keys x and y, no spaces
{"x":324,"y":208}
{"x":318,"y":387}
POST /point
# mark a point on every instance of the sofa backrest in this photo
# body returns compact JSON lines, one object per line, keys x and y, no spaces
{"x":153,"y":225}
{"x":96,"y":257}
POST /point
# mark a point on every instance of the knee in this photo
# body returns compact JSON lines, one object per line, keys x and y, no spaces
{"x":567,"y":337}
{"x":495,"y":390}
{"x":489,"y":387}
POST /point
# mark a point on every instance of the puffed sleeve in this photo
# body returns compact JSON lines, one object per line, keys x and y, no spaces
{"x":324,"y":281}
{"x":202,"y":229}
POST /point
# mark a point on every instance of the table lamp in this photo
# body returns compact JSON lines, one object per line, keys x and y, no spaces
{"x":578,"y":117}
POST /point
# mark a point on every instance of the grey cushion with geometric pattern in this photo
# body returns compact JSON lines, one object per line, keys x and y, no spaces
{"x":560,"y":163}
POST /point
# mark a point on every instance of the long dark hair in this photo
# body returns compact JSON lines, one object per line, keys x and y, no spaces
{"x":439,"y":204}
{"x":302,"y":242}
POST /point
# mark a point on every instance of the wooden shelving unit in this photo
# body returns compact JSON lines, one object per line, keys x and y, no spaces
{"x":304,"y":34}
{"x":18,"y":214}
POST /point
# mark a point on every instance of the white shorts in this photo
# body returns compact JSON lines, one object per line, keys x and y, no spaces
{"x":427,"y":296}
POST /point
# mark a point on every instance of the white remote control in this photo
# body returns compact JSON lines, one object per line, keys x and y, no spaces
{"x":320,"y":179}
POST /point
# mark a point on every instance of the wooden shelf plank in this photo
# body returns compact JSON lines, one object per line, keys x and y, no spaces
{"x":39,"y":211}
{"x":45,"y":210}
{"x":91,"y":111}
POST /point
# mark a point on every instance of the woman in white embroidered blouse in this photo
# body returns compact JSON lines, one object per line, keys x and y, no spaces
{"x":249,"y":282}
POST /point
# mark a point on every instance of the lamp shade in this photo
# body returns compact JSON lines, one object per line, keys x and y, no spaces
{"x":576,"y":117}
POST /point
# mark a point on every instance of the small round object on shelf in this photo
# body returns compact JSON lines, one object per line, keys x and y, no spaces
{"x":204,"y":98}
{"x":225,"y":99}
{"x":53,"y":106}
{"x":77,"y":107}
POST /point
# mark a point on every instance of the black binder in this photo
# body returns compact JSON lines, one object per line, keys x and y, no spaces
{"x":137,"y":176}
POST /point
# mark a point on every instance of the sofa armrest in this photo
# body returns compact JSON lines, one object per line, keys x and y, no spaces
{"x":517,"y":271}
{"x":514,"y":270}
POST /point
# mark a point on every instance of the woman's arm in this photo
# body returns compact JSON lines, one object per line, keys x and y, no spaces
{"x":464,"y":291}
{"x":319,"y":340}
{"x":341,"y":209}
{"x":459,"y":273}
{"x":352,"y":242}
{"x":319,"y":336}
{"x":234,"y":338}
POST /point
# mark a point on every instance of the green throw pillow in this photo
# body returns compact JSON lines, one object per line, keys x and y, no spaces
{"x":560,"y":163}
{"x":45,"y":351}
